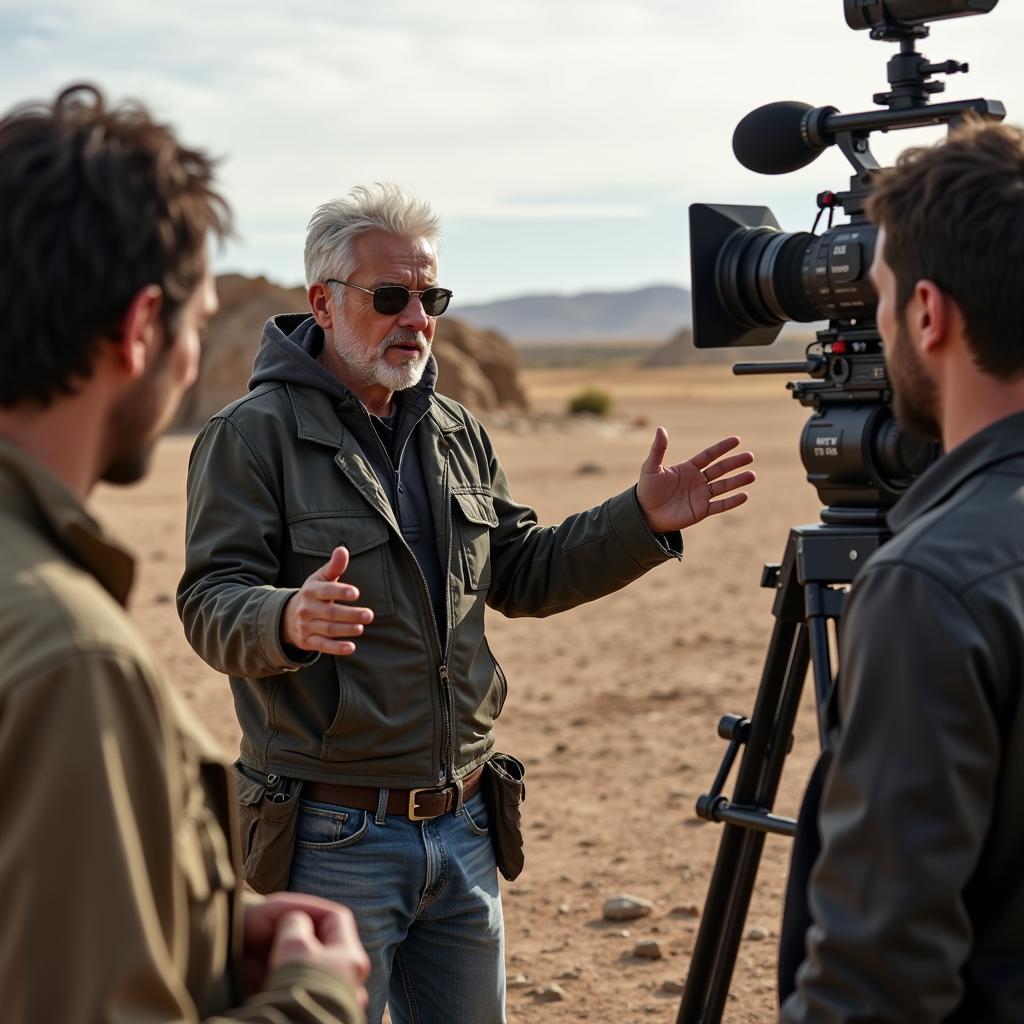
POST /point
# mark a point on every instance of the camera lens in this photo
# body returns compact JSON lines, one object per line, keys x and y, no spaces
{"x":766,"y":276}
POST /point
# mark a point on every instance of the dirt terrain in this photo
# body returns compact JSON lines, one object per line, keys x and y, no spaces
{"x":612,"y":706}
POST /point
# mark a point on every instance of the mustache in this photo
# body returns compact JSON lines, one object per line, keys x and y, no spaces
{"x":416,"y":338}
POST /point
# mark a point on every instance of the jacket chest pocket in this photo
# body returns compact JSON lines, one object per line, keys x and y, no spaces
{"x":474,"y":517}
{"x":315,"y":536}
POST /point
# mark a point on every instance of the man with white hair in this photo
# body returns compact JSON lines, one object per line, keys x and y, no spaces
{"x":346,"y":527}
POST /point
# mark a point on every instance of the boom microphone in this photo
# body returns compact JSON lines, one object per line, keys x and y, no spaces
{"x":781,"y":137}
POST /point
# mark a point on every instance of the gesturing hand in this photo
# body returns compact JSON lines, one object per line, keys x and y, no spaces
{"x":313,"y":619}
{"x":675,"y":497}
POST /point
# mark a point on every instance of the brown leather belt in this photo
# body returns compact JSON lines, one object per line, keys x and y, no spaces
{"x":415,"y":804}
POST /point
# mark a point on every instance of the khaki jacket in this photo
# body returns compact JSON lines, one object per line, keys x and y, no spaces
{"x":117,"y":875}
{"x":276,"y":481}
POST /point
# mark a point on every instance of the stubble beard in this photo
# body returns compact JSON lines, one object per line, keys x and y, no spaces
{"x":135,"y":425}
{"x":915,"y":398}
{"x":372,"y":369}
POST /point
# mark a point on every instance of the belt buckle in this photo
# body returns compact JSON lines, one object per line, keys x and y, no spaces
{"x":413,"y":793}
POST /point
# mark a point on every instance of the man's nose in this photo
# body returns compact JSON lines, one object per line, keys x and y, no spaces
{"x":414,"y":316}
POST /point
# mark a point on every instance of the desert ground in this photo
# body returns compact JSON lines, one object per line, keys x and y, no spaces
{"x":612,"y":706}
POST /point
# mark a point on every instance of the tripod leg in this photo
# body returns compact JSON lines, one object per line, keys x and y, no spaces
{"x":739,"y":852}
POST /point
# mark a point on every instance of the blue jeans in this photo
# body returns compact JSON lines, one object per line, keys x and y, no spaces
{"x":425,"y":896}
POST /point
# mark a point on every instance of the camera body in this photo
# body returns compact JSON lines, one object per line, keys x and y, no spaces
{"x":749,"y":277}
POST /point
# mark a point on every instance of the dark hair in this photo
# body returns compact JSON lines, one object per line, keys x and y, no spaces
{"x":96,"y":202}
{"x":953,"y":213}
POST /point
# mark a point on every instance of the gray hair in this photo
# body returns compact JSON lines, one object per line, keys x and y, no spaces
{"x":335,"y":226}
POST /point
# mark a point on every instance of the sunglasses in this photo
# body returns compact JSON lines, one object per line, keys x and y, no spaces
{"x":390,"y":299}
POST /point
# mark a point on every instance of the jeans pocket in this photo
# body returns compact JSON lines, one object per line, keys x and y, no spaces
{"x":322,"y":827}
{"x":476,"y":820}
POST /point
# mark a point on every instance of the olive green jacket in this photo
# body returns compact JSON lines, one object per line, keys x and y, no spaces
{"x":276,"y":481}
{"x":117,"y":872}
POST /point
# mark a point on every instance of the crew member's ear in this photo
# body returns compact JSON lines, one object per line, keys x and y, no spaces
{"x":141,"y":332}
{"x":319,"y":296}
{"x":937,"y":316}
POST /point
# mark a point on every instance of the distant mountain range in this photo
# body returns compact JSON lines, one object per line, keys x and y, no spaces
{"x":642,"y":314}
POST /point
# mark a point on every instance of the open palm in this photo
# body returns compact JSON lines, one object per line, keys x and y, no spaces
{"x":675,"y":497}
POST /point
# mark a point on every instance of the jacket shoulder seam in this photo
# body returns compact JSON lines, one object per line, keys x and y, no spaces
{"x":956,"y":593}
{"x":253,"y":449}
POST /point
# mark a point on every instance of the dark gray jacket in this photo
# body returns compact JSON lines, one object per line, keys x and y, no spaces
{"x":278,"y":479}
{"x":918,"y":895}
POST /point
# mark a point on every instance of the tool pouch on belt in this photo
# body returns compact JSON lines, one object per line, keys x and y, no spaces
{"x":268,"y":807}
{"x":504,"y":791}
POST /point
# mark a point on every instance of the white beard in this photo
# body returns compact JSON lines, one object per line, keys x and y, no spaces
{"x":371,"y":369}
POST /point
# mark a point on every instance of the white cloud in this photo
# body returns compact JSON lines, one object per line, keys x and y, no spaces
{"x":578,"y":109}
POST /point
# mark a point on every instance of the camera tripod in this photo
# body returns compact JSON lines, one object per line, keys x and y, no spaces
{"x":818,"y":561}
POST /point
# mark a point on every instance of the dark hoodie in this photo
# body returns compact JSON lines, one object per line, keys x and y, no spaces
{"x":288,"y":352}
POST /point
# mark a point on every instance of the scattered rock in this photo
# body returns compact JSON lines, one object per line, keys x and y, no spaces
{"x":672,"y":987}
{"x":549,"y":993}
{"x":564,"y":908}
{"x":649,"y":949}
{"x":519,"y":981}
{"x":621,"y":934}
{"x":691,"y":910}
{"x":589,"y":469}
{"x":757,"y":934}
{"x":626,"y":908}
{"x":570,"y":975}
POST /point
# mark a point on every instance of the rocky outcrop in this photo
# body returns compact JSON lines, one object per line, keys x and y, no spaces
{"x":478,"y":368}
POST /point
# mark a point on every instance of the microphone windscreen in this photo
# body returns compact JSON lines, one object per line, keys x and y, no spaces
{"x":770,"y":140}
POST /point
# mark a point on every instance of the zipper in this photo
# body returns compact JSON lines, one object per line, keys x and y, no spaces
{"x":447,"y":696}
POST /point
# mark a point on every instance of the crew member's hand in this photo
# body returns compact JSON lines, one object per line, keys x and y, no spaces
{"x":675,"y":497}
{"x":313,"y":618}
{"x":291,"y":926}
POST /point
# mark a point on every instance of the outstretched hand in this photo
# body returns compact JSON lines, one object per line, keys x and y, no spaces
{"x":675,"y":497}
{"x":317,"y":616}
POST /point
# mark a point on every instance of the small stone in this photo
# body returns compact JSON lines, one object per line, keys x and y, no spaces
{"x":691,"y":910}
{"x":549,"y":993}
{"x":564,"y":908}
{"x":570,"y":975}
{"x":649,"y":949}
{"x":626,"y":908}
{"x":519,"y":981}
{"x":589,"y":469}
{"x":622,"y":933}
{"x":757,"y":934}
{"x":672,"y":987}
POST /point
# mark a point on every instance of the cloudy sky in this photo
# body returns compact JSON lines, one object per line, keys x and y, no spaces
{"x":560,"y":140}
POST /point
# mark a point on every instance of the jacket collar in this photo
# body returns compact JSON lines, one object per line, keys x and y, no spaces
{"x":316,"y":411}
{"x":29,"y":493}
{"x":1002,"y":440}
